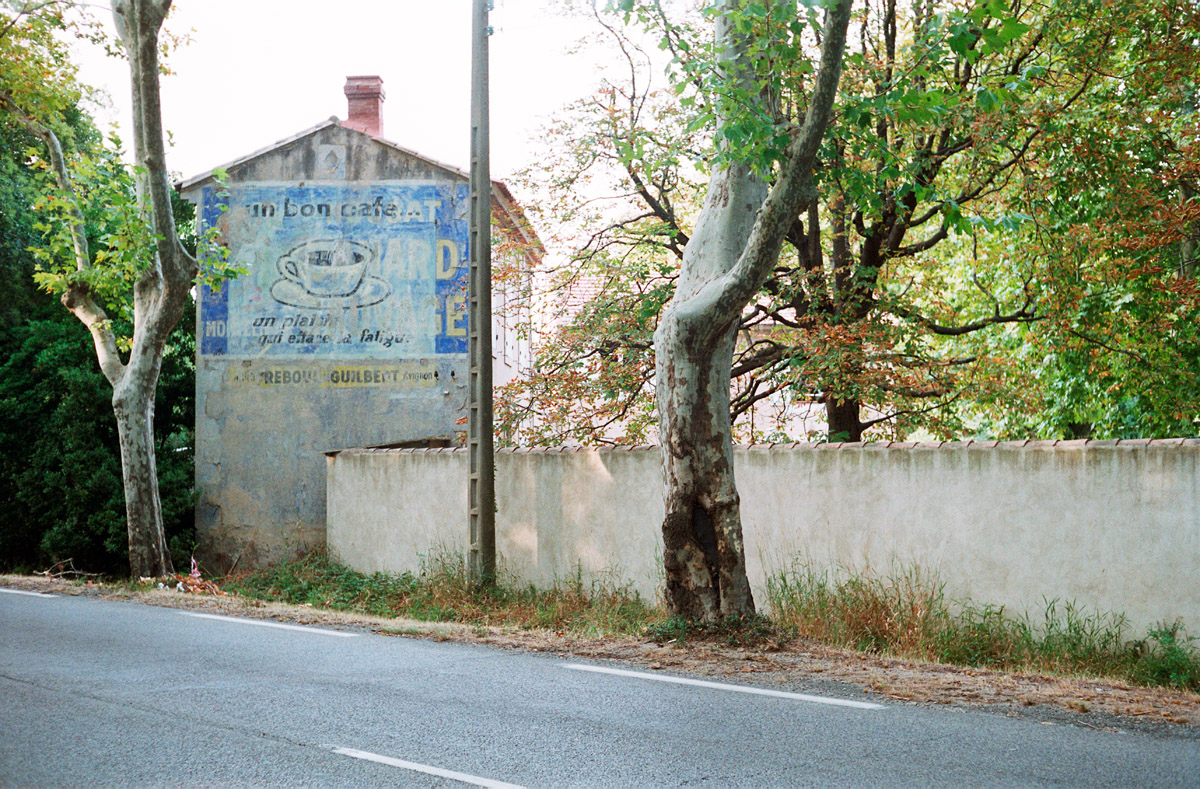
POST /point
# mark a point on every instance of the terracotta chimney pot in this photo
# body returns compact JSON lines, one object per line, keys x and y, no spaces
{"x":365,"y":96}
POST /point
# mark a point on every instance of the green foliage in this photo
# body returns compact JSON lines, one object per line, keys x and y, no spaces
{"x":1114,"y":246}
{"x":19,"y":299}
{"x":979,"y":636}
{"x":1168,"y":658}
{"x":314,"y":580}
{"x":671,"y":629}
{"x":1005,"y":242}
{"x":442,"y":592}
{"x":36,"y":70}
{"x":121,"y":244}
{"x":120,"y":240}
{"x":60,"y":472}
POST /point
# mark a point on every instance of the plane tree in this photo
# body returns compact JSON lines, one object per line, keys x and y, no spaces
{"x":921,"y":233}
{"x":140,"y":265}
{"x":737,"y":239}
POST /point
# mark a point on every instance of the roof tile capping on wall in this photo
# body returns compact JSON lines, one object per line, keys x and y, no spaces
{"x":1111,"y":525}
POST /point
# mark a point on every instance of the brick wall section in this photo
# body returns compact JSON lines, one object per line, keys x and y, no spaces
{"x":364,"y":103}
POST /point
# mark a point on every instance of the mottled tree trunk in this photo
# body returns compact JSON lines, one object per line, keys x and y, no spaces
{"x":160,"y":294}
{"x":148,"y":555}
{"x":737,"y":240}
{"x":702,"y":531}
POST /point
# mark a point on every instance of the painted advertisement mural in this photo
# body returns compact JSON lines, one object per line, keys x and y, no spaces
{"x":341,"y":271}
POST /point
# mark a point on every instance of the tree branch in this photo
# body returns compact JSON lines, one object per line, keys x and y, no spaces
{"x":721,"y":300}
{"x":138,"y":22}
{"x":936,"y":406}
{"x":1026,"y":314}
{"x":76,"y":297}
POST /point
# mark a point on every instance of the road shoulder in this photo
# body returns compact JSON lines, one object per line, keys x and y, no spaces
{"x":798,"y":666}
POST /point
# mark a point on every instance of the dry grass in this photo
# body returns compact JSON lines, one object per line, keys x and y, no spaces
{"x":907,"y":614}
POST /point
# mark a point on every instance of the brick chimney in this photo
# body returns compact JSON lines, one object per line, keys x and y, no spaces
{"x":365,"y":98}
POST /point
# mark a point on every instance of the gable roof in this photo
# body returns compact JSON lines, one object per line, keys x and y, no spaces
{"x":515,"y":215}
{"x":196,"y":180}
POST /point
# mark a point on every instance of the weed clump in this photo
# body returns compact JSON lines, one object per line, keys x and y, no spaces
{"x":1166,"y":657}
{"x":861,"y":612}
{"x":908,"y":615}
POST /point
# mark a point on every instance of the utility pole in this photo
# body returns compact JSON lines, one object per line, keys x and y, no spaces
{"x":481,"y":484}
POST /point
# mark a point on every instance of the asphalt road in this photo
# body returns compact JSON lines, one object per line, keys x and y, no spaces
{"x":103,"y":693}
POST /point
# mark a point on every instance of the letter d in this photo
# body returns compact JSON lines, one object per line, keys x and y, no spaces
{"x":445,"y":259}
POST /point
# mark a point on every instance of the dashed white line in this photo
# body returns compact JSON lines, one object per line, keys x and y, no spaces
{"x":280,"y":625}
{"x":30,"y":594}
{"x":779,"y":694}
{"x":474,"y":780}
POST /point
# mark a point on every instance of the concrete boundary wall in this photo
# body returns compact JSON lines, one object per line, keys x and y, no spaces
{"x":1111,"y":525}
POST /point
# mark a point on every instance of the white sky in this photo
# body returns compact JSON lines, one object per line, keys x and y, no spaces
{"x":257,"y":71}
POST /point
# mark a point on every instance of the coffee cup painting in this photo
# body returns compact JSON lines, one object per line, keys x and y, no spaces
{"x":328,"y":272}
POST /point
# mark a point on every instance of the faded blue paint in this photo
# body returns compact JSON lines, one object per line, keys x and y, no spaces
{"x":214,"y":304}
{"x":369,"y":271}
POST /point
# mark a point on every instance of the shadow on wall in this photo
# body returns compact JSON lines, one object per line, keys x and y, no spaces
{"x":1112,"y":525}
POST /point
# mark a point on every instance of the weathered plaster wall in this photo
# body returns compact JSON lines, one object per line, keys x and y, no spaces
{"x":347,"y":329}
{"x":1110,"y":525}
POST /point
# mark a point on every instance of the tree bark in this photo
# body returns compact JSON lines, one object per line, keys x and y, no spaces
{"x":843,"y":419}
{"x":148,"y":554}
{"x":702,"y":531}
{"x":737,"y":240}
{"x":703,"y":552}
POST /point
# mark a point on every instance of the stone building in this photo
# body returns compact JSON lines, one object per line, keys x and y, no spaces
{"x":347,"y":328}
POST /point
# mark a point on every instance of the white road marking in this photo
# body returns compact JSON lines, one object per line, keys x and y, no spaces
{"x":779,"y":694}
{"x":30,"y":594}
{"x":280,"y":625}
{"x":474,"y":780}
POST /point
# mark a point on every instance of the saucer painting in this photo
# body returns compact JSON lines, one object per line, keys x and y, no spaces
{"x":370,"y":292}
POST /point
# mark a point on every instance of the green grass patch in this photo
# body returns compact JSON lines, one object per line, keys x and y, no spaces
{"x":908,"y":614}
{"x":442,"y":592}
